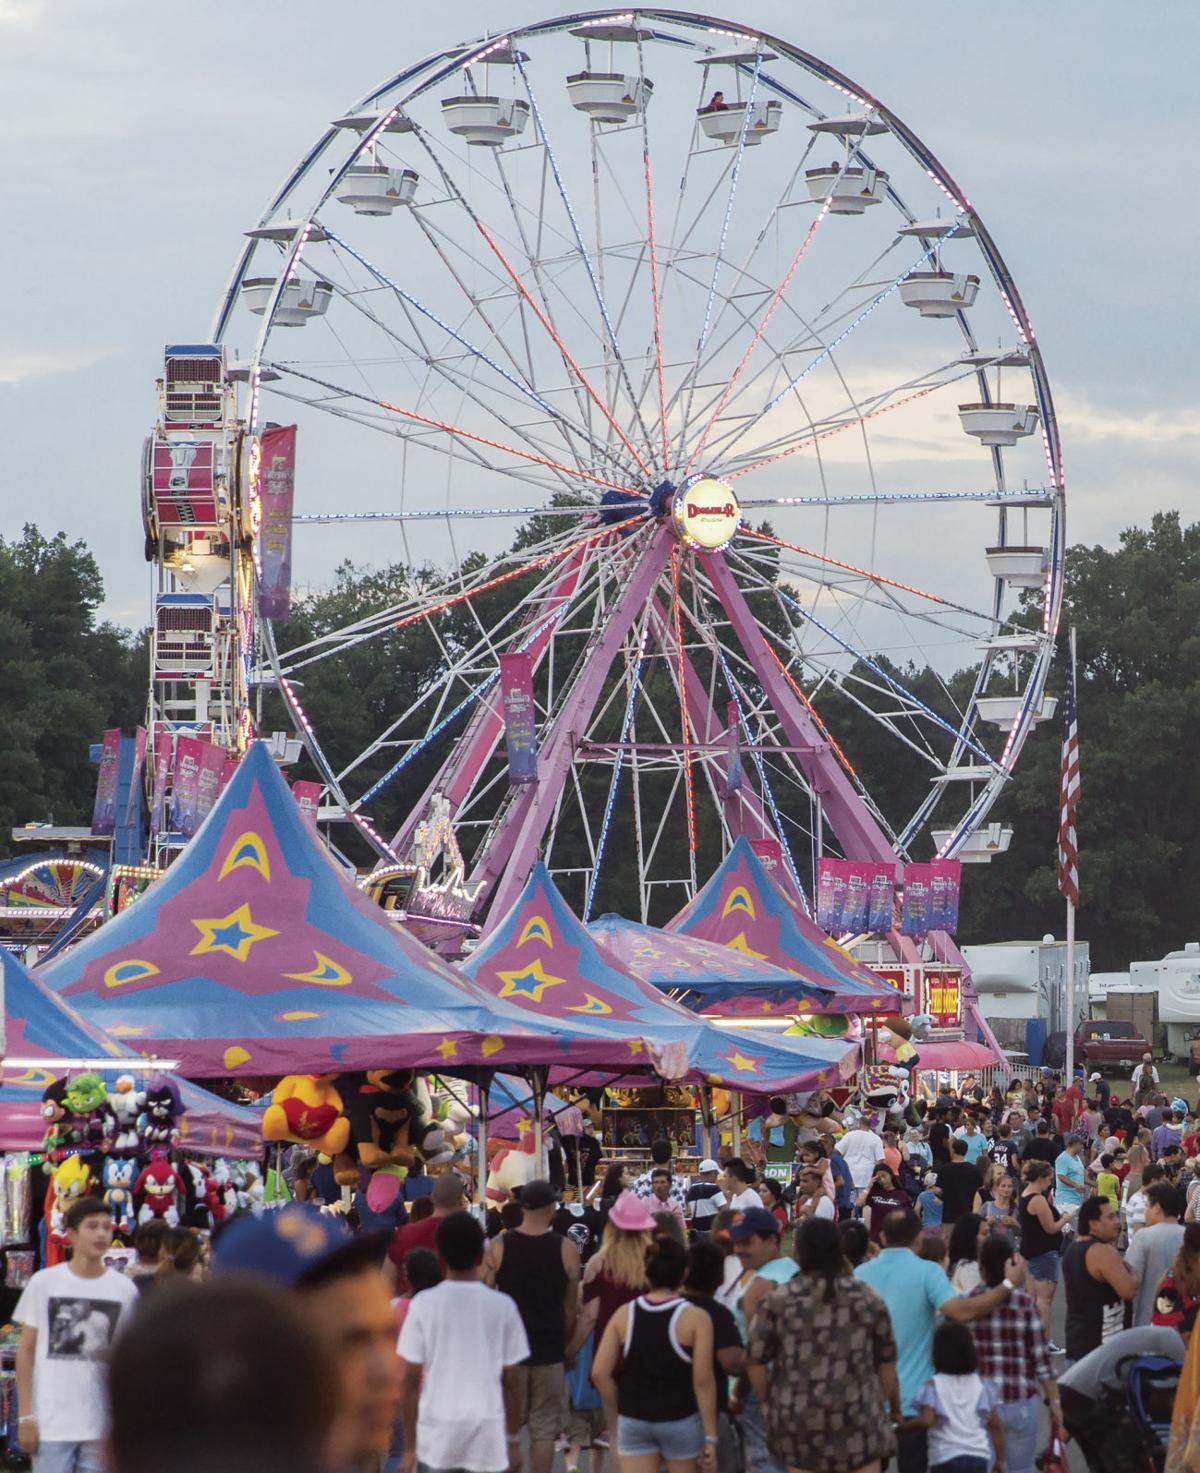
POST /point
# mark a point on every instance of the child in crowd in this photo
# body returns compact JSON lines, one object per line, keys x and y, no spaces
{"x":929,"y":1203}
{"x":958,"y":1407}
{"x":1107,"y":1182}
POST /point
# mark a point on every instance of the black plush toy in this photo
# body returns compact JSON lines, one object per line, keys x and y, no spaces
{"x":387,"y":1124}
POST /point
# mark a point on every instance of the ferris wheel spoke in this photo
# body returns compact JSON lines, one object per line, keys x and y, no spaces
{"x":862,"y":317}
{"x":897,"y":687}
{"x":609,"y":330}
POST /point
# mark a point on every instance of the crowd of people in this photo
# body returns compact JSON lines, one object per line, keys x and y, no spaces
{"x":855,"y":1288}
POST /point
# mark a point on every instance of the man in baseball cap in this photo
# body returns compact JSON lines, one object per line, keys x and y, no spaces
{"x":757,"y":1241}
{"x":704,"y":1199}
{"x":1098,"y":1089}
{"x":347,"y":1299}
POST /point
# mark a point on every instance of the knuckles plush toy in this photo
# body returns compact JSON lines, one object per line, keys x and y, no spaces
{"x":117,"y":1180}
{"x":126,"y":1103}
{"x":160,"y":1188}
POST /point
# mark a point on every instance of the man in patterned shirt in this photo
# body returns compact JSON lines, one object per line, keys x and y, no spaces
{"x":1013,"y":1356}
{"x":643,"y":1187}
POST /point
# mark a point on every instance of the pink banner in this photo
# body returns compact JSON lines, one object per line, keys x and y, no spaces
{"x":164,"y":744}
{"x":135,"y":782}
{"x":931,"y":897}
{"x":104,"y":811}
{"x":853,"y":895}
{"x":185,"y":794}
{"x":520,"y":721}
{"x":770,"y":852}
{"x":208,"y":781}
{"x":231,"y":766}
{"x":276,"y":480}
{"x":308,"y":799}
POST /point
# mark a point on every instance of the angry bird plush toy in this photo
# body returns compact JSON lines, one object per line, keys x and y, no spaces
{"x":126,"y":1102}
{"x":161,"y":1189}
{"x":71,"y":1181}
{"x":117,"y":1179}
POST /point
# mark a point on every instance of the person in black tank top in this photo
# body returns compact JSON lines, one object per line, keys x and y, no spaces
{"x":1041,"y":1229}
{"x":539,"y":1269}
{"x":1096,"y":1279}
{"x":654,"y":1372}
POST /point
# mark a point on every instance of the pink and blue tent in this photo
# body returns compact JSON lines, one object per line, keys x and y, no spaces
{"x":743,"y":908}
{"x":255,"y":955}
{"x":542,"y":958}
{"x":39,"y":1025}
{"x":702,"y":970}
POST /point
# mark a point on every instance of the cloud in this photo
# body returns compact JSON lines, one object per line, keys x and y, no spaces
{"x":24,"y":13}
{"x":1082,"y":418}
{"x":20,"y":365}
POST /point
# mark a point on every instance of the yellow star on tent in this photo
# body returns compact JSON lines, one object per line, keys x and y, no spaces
{"x":635,"y":1045}
{"x":529,"y":983}
{"x":741,"y":1063}
{"x":739,"y":943}
{"x":448,"y":1048}
{"x":233,"y":934}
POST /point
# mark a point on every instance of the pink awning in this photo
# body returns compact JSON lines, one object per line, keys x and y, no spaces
{"x":957,"y":1054}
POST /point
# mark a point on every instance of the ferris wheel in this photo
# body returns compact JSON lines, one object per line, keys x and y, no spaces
{"x":673,"y":328}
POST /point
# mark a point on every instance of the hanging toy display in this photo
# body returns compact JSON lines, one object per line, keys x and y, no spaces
{"x":160,"y":1190}
{"x":91,"y":1119}
{"x":388,"y":1126}
{"x":307,"y":1110}
{"x":126,"y":1103}
{"x":156,"y":1124}
{"x":117,"y":1178}
{"x":72,"y":1180}
{"x":60,"y":1135}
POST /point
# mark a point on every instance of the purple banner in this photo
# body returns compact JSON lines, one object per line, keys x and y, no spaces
{"x":163,"y":747}
{"x":135,"y":782}
{"x":770,"y":852}
{"x":230,"y":767}
{"x":208,"y":781}
{"x":881,"y":907}
{"x":185,"y":794}
{"x":853,"y":895}
{"x":914,"y":912}
{"x":943,"y":895}
{"x":308,"y":798}
{"x":733,"y":771}
{"x":276,"y":482}
{"x":520,"y":722}
{"x":104,"y":811}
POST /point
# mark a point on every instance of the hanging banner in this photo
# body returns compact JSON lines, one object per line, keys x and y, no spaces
{"x":308,"y":798}
{"x":853,"y":895}
{"x":230,"y":767}
{"x":208,"y":781}
{"x":104,"y":811}
{"x":770,"y":852}
{"x":163,"y":746}
{"x":914,"y":910}
{"x":733,"y":770}
{"x":273,"y":474}
{"x":520,"y":724}
{"x":943,"y":895}
{"x":185,"y":791}
{"x":881,"y":904}
{"x":135,"y":782}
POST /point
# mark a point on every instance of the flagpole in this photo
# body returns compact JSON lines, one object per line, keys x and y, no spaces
{"x":1069,"y":1021}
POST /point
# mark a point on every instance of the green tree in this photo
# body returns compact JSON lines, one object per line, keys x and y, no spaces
{"x":64,"y":679}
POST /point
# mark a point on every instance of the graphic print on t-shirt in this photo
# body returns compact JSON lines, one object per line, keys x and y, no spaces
{"x":81,"y":1329}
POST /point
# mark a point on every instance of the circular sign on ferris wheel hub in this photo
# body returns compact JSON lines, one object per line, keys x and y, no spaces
{"x":705,"y":513}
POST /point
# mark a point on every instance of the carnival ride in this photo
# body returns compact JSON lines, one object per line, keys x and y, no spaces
{"x":628,"y":281}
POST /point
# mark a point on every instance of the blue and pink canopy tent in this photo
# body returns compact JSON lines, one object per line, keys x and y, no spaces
{"x":255,"y":955}
{"x":541,"y":957}
{"x":703,"y":970}
{"x":741,"y":907}
{"x":40,"y":1026}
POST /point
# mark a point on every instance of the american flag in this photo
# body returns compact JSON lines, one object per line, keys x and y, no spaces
{"x":1068,"y":844}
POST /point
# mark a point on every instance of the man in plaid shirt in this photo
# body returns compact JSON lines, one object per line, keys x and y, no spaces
{"x":1013,"y":1356}
{"x":660,"y":1155}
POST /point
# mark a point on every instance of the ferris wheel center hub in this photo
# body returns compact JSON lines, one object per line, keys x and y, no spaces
{"x":705,"y":513}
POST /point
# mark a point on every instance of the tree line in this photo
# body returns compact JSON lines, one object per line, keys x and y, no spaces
{"x":66,"y":676}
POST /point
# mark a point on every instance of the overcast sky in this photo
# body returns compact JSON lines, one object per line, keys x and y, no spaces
{"x":138,"y":140}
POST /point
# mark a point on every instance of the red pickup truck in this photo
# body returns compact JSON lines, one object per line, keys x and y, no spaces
{"x":1109,"y":1042}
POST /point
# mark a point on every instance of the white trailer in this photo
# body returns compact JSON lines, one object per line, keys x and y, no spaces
{"x":1027,"y":979}
{"x":1176,"y":979}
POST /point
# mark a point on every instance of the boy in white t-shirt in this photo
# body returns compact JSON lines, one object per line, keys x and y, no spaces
{"x":69,"y":1316}
{"x":462,"y":1326}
